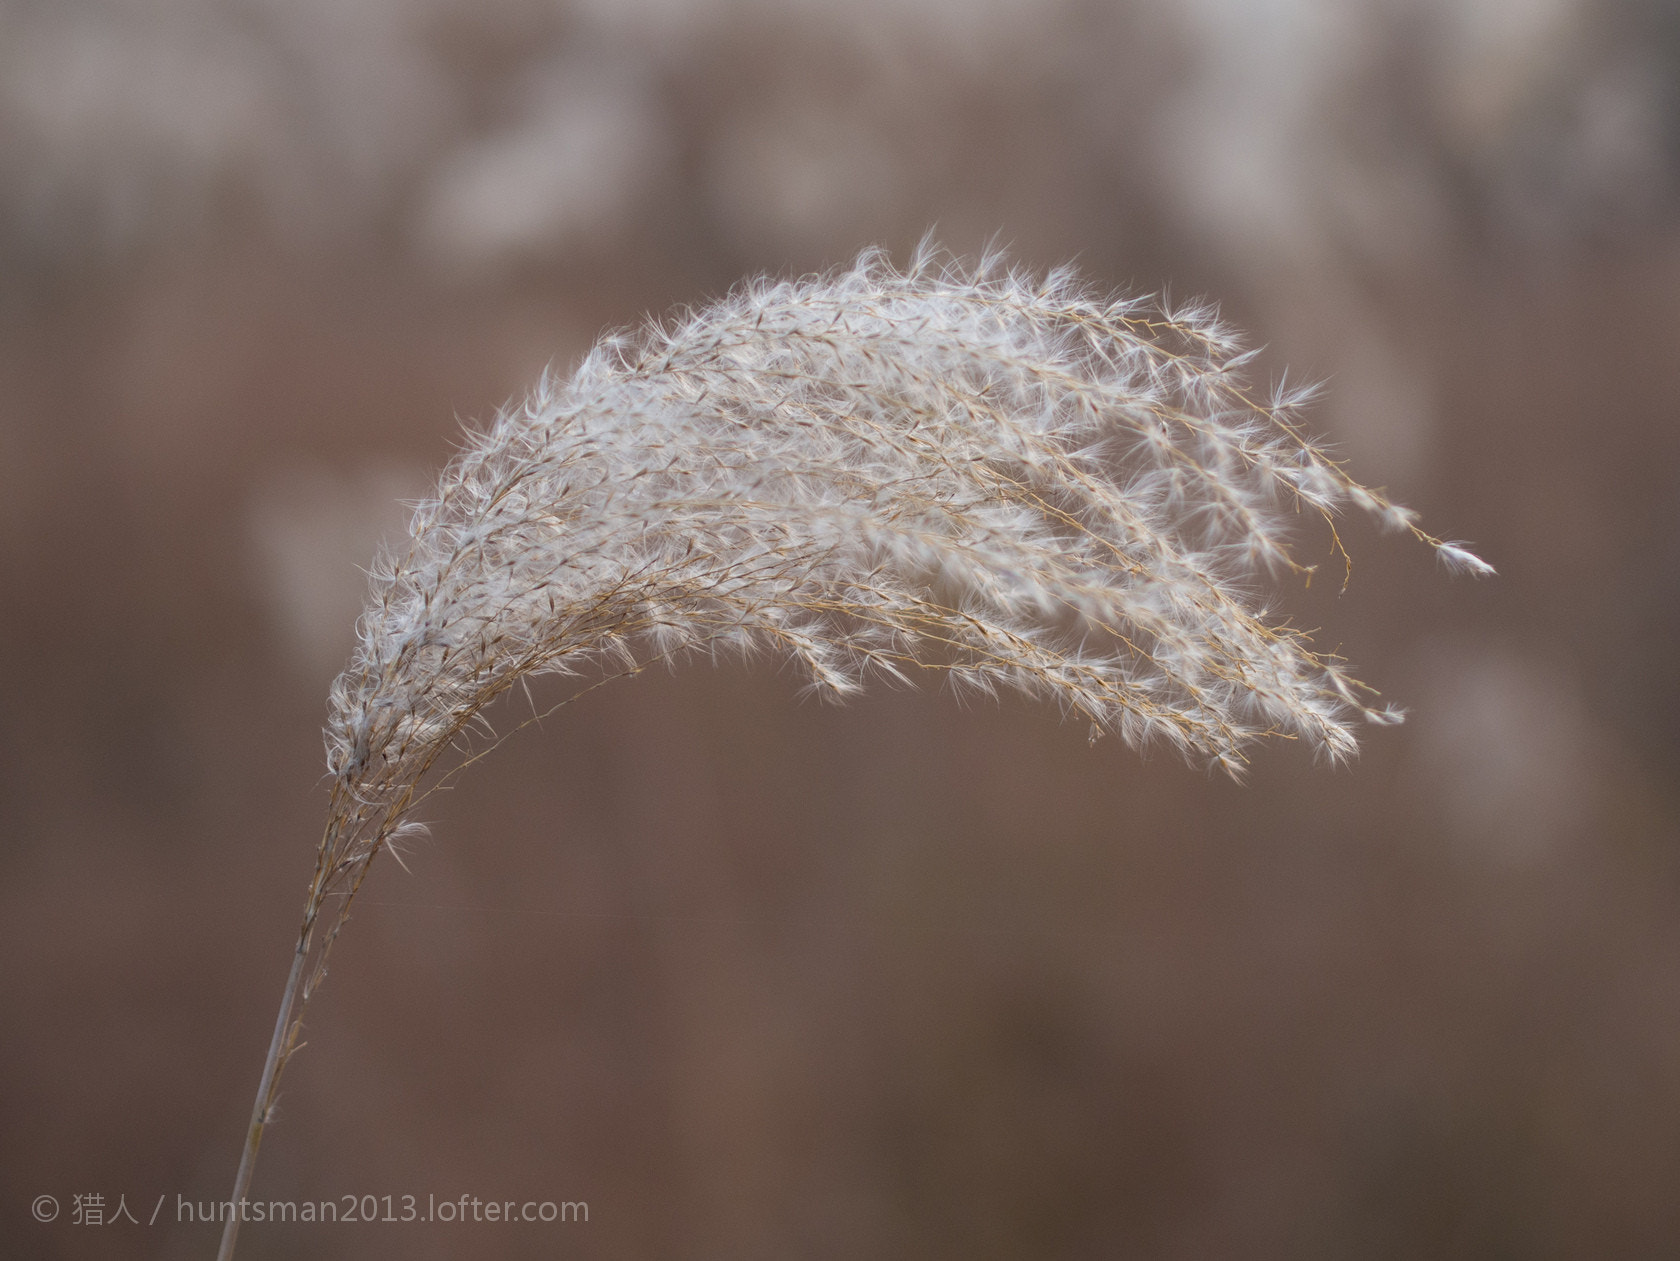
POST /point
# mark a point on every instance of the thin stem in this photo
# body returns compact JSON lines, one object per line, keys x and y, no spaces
{"x":265,"y":1091}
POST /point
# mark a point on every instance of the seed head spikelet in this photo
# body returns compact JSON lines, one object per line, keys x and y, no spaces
{"x":976,"y":471}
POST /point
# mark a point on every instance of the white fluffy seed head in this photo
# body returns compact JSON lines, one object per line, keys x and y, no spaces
{"x":970,"y":470}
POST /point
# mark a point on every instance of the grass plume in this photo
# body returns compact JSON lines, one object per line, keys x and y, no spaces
{"x":993,"y":475}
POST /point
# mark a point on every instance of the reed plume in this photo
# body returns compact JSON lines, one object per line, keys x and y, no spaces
{"x":971,"y":470}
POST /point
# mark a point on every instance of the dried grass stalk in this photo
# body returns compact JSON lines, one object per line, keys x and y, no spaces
{"x":976,"y":471}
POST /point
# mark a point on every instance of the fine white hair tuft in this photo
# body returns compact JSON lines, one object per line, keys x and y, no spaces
{"x":974,"y":470}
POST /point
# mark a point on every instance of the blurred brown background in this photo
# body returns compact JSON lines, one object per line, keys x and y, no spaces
{"x":755,"y":977}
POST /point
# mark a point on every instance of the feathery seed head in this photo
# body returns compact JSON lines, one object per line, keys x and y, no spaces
{"x":976,"y":471}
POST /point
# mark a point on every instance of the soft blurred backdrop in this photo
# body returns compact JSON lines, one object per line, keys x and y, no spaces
{"x":752,"y":976}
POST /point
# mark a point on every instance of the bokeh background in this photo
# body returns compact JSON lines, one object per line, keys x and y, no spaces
{"x":756,"y":977}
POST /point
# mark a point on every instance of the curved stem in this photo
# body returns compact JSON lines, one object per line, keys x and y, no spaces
{"x":265,"y":1092}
